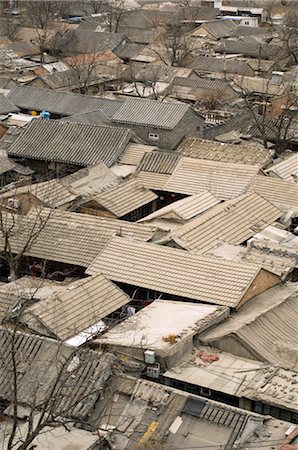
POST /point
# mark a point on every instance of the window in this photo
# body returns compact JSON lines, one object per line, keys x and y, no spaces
{"x":153,"y":136}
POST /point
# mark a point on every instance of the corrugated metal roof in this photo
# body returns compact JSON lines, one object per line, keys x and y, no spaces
{"x":6,"y":106}
{"x":150,"y":113}
{"x":174,"y":272}
{"x":71,"y":238}
{"x":282,"y":194}
{"x":159,"y":162}
{"x":64,"y":103}
{"x":287,"y":169}
{"x":224,"y":180}
{"x":77,"y":307}
{"x":133,"y":153}
{"x":125,"y":198}
{"x":217,"y":151}
{"x":185,"y":209}
{"x":233,"y":222}
{"x":70,"y":143}
{"x":265,"y":326}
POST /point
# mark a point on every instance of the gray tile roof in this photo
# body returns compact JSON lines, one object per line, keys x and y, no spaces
{"x":63,"y":103}
{"x":175,"y":272}
{"x":38,"y":363}
{"x":210,"y":64}
{"x":85,"y":41}
{"x":7,"y":106}
{"x":150,"y":113}
{"x":69,"y":237}
{"x":159,"y":162}
{"x":130,"y":50}
{"x":220,"y":28}
{"x":71,"y":143}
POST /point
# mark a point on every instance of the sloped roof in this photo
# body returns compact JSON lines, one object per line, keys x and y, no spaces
{"x":64,"y":103}
{"x":125,"y":198}
{"x":224,"y":180}
{"x":38,"y":363}
{"x":51,"y":193}
{"x":150,"y":113}
{"x":88,"y":41}
{"x":219,"y":28}
{"x":152,"y":180}
{"x":6,"y":106}
{"x":76,"y":308}
{"x":134,"y":153}
{"x":286,"y":170}
{"x":233,"y":222}
{"x":159,"y":162}
{"x":210,"y":64}
{"x":265,"y":326}
{"x":174,"y":272}
{"x":67,"y":237}
{"x":228,"y":153}
{"x":184,"y":209}
{"x":250,"y":47}
{"x":282,"y":194}
{"x":71,"y":143}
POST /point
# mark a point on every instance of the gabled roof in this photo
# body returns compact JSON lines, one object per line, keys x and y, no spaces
{"x":64,"y":103}
{"x":286,"y":170}
{"x":150,"y":113}
{"x":250,"y":47}
{"x":71,"y":143}
{"x":265,"y":327}
{"x":134,"y":153}
{"x":75,"y":309}
{"x":52,"y":193}
{"x":7,"y":106}
{"x":67,"y":237}
{"x":224,"y":180}
{"x":218,"y":28}
{"x":159,"y":162}
{"x":175,"y":272}
{"x":125,"y":198}
{"x":234,"y":222}
{"x":184,"y":209}
{"x":88,"y":41}
{"x":227,"y":153}
{"x":210,"y":64}
{"x":282,"y":194}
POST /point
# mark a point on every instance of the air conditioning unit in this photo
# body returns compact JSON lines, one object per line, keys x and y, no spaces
{"x":153,"y":370}
{"x":13,"y":203}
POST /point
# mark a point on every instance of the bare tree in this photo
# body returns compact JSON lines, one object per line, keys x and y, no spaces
{"x":42,"y":15}
{"x":113,"y":11}
{"x":45,"y":376}
{"x":18,"y":233}
{"x":271,"y":124}
{"x":288,"y":32}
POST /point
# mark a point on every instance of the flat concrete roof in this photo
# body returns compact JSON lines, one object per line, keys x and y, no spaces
{"x":149,"y":328}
